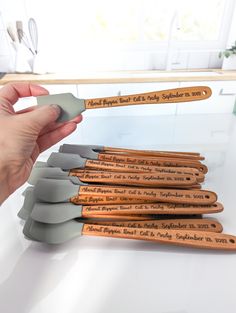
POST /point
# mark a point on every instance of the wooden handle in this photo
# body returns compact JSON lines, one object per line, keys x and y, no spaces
{"x":153,"y":194}
{"x":135,"y":168}
{"x":152,"y":153}
{"x":120,"y":218}
{"x":138,"y":160}
{"x":188,"y":238}
{"x":194,"y":187}
{"x":138,"y":179}
{"x":92,"y":199}
{"x":183,"y":224}
{"x":151,"y":208}
{"x":176,"y":95}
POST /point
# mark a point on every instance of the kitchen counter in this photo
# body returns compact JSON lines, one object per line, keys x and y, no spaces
{"x":92,"y":275}
{"x":122,"y":77}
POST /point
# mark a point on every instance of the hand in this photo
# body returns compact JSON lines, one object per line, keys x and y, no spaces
{"x":25,"y":134}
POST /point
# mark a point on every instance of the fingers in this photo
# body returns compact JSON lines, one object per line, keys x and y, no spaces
{"x":36,"y":120}
{"x":47,"y":140}
{"x":29,"y":109}
{"x":54,"y":126}
{"x":12,"y":92}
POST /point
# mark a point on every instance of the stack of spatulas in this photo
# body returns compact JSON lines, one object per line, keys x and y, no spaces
{"x":125,"y":193}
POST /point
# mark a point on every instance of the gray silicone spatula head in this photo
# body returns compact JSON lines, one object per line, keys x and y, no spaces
{"x":28,"y":204}
{"x":55,"y":190}
{"x":46,"y":172}
{"x":55,"y":233}
{"x":40,"y":164}
{"x":52,"y":173}
{"x":55,"y":213}
{"x":69,"y":104}
{"x":85,"y":151}
{"x":66,"y":161}
{"x":26,"y":229}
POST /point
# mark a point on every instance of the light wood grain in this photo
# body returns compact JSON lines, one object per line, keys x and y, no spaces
{"x":187,"y":238}
{"x":151,"y":161}
{"x":139,"y":179}
{"x":117,"y":77}
{"x":152,"y":153}
{"x":183,"y":224}
{"x":149,"y":194}
{"x":150,"y":208}
{"x":136,"y":168}
{"x":184,"y":94}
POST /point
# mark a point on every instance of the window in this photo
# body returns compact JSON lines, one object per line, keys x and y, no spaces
{"x":129,"y":34}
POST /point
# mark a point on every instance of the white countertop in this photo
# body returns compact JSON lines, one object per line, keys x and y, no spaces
{"x":101,"y":275}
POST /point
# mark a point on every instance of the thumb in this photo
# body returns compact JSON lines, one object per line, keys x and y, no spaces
{"x":42,"y":116}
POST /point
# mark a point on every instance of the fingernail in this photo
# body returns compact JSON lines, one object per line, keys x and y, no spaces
{"x":56,"y":107}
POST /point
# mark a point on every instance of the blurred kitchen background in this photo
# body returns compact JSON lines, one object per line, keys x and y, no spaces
{"x":75,"y":35}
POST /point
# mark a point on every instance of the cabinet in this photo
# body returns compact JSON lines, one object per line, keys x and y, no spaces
{"x":221,"y":101}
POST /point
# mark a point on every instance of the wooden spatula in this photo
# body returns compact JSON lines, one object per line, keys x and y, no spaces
{"x":51,"y":190}
{"x":182,"y":224}
{"x":126,"y":179}
{"x":70,"y":161}
{"x":70,"y":148}
{"x":87,"y":211}
{"x":198,"y":177}
{"x":72,"y":106}
{"x":61,"y":212}
{"x":59,"y":233}
{"x":73,"y":162}
{"x":151,"y":161}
